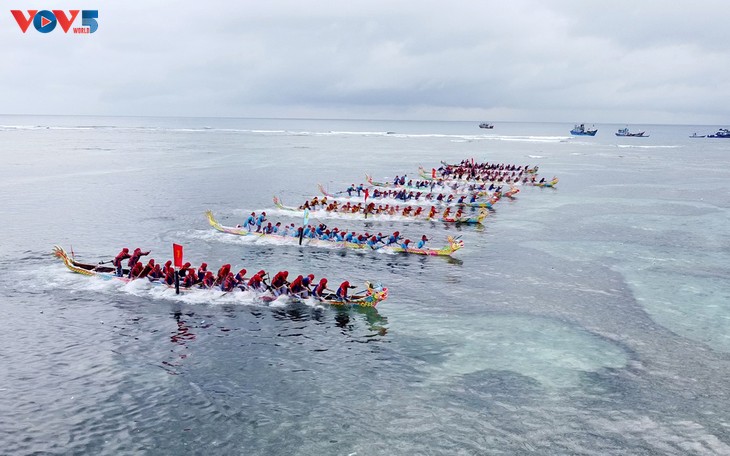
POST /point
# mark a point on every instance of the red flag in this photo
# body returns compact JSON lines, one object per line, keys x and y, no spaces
{"x":367,"y":193}
{"x":177,"y":255}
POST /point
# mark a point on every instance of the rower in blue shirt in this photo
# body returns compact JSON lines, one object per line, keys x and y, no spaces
{"x":259,"y":221}
{"x":250,"y":221}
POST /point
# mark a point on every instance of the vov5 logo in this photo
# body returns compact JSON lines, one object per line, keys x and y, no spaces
{"x":45,"y":21}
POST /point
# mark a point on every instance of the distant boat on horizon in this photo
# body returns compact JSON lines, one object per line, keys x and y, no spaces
{"x":626,"y":132}
{"x":695,"y":135}
{"x":581,"y":130}
{"x":721,"y":133}
{"x":486,"y":125}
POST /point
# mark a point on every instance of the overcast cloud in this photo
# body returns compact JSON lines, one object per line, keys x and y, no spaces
{"x":612,"y":61}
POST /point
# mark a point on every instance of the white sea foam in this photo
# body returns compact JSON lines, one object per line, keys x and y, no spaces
{"x":640,"y":146}
{"x":61,"y":278}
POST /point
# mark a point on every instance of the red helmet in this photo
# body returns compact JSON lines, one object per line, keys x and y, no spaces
{"x":204,"y":265}
{"x":125,"y":250}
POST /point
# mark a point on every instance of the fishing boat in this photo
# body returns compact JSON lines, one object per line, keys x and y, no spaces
{"x":581,"y":130}
{"x":626,"y":132}
{"x":361,"y":214}
{"x":695,"y":135}
{"x":721,"y":133}
{"x":453,"y":244}
{"x":486,"y":125}
{"x":370,"y":297}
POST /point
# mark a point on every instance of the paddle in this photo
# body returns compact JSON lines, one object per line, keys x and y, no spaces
{"x":304,"y":223}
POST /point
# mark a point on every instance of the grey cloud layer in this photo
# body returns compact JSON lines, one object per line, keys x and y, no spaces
{"x":523,"y":60}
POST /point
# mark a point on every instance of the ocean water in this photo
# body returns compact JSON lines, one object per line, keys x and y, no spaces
{"x":593,"y":318}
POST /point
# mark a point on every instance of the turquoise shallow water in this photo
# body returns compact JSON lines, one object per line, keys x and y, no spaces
{"x":588,"y":319}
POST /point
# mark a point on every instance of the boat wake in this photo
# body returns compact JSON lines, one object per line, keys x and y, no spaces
{"x":216,"y":236}
{"x":636,"y":146}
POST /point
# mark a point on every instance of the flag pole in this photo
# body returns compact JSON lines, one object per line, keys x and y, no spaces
{"x":177,"y":256}
{"x":304,"y":224}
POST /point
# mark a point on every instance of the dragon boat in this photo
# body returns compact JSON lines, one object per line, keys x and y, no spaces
{"x":453,"y":244}
{"x":370,"y":297}
{"x":471,"y":163}
{"x":551,"y":183}
{"x":417,"y":201}
{"x":437,"y":185}
{"x":360,"y":214}
{"x":526,"y":182}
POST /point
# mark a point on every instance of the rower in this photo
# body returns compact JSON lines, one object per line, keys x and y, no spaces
{"x":250,"y":221}
{"x":259,"y":221}
{"x":208,"y":280}
{"x":229,"y":283}
{"x":256,"y":282}
{"x":222,"y":273}
{"x":320,"y":289}
{"x":240,"y":276}
{"x":278,"y":283}
{"x":296,"y":288}
{"x":117,"y":261}
{"x":341,"y":292}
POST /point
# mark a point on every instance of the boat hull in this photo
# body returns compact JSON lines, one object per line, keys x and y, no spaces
{"x":453,"y":246}
{"x":374,"y":216}
{"x":373,"y":294}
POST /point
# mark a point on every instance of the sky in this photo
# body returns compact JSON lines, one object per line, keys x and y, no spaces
{"x":639,"y":61}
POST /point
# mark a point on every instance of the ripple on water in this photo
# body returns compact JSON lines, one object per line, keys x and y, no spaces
{"x":552,"y":353}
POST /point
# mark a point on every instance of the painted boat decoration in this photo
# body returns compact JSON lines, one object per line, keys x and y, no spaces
{"x":626,"y":132}
{"x":453,"y":244}
{"x":370,"y":297}
{"x":361,"y":214}
{"x":551,"y":183}
{"x":581,"y":130}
